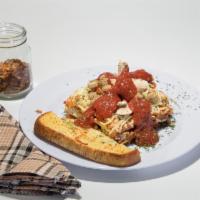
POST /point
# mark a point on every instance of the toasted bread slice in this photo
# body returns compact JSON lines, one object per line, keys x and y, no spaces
{"x":89,"y":143}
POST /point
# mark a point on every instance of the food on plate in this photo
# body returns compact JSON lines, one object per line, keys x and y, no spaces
{"x":89,"y":143}
{"x":126,"y":106}
{"x":109,"y":113}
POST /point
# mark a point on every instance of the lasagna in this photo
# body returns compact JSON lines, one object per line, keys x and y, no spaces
{"x":126,"y":106}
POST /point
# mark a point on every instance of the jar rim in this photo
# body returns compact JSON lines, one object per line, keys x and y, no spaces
{"x":11,"y":34}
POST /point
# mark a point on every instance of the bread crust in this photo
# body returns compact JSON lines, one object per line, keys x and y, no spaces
{"x":43,"y":131}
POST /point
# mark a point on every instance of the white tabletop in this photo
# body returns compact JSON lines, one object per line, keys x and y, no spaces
{"x":69,"y":34}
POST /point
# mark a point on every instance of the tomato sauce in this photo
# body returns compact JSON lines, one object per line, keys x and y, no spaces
{"x":141,"y":111}
{"x":124,"y":86}
{"x":141,"y":74}
{"x":87,"y":120}
{"x":102,"y":108}
{"x":105,"y":106}
{"x":145,"y":132}
{"x":146,"y":137}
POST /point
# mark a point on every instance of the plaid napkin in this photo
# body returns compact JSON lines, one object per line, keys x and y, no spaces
{"x":24,"y":169}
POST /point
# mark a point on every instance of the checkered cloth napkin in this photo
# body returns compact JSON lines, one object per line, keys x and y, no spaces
{"x":24,"y":169}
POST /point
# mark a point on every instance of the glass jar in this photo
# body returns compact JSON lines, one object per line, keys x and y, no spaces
{"x":15,"y":62}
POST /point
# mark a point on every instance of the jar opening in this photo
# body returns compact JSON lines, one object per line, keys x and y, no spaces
{"x":11,"y":35}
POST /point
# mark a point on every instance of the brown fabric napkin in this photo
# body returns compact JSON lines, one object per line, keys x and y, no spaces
{"x":24,"y":169}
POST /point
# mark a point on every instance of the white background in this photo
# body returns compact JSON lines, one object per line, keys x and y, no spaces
{"x":68,"y":34}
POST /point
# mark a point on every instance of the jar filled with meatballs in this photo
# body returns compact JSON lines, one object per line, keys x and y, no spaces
{"x":15,"y":62}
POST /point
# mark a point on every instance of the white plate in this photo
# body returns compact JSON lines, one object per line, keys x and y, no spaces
{"x":174,"y":143}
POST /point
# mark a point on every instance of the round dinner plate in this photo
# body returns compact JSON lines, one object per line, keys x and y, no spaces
{"x":174,"y":142}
